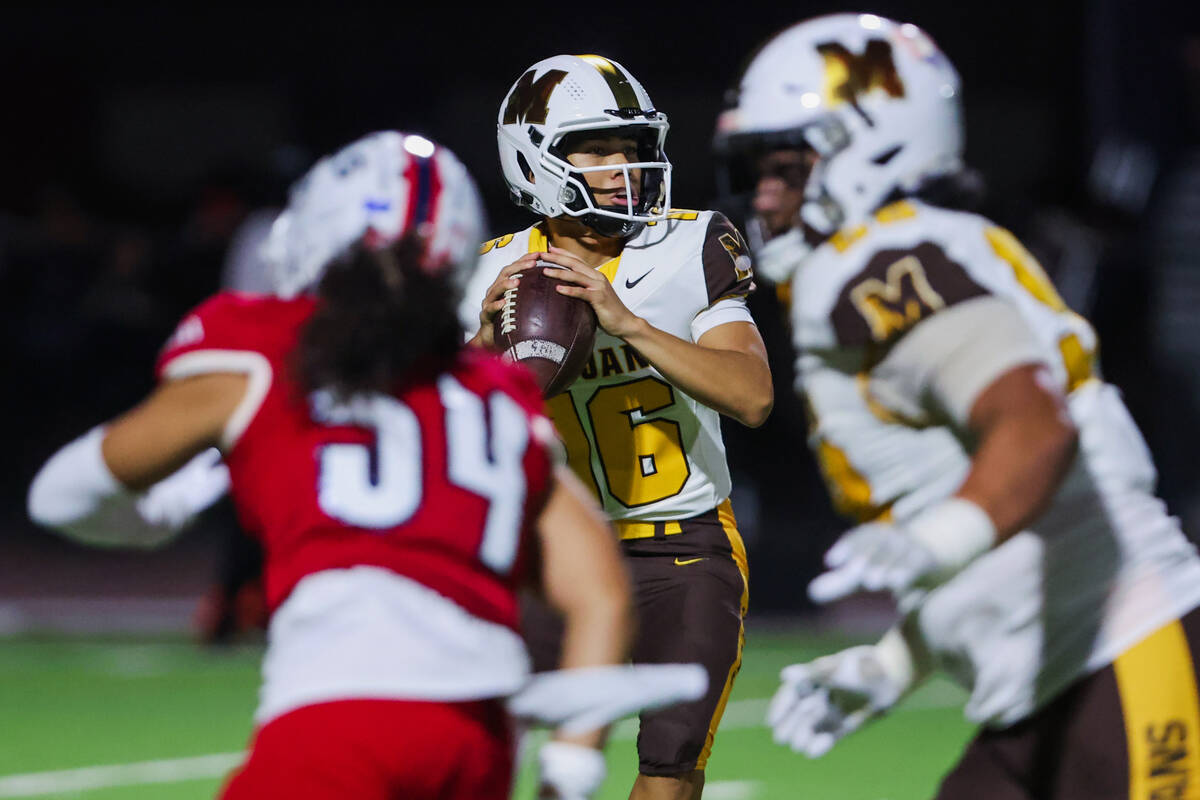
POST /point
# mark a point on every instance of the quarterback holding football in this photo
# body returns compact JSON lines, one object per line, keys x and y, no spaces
{"x":1004,"y":493}
{"x":581,"y":146}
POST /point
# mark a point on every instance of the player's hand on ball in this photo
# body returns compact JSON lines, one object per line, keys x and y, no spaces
{"x":589,"y":284}
{"x":827,"y":699}
{"x":872,"y":557}
{"x":493,"y":301}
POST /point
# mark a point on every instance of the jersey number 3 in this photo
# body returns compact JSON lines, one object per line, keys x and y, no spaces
{"x":384,"y":489}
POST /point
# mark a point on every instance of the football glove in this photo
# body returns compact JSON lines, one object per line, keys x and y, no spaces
{"x":174,"y":502}
{"x":923,"y":552}
{"x":569,"y":771}
{"x":824,"y":700}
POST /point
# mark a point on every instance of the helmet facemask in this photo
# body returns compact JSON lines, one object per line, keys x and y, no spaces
{"x":651,"y":188}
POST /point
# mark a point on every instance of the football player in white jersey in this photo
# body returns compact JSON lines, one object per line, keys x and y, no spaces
{"x":1004,"y":494}
{"x":582,"y":146}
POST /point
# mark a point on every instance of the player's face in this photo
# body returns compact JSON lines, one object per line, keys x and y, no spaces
{"x":608,"y":150}
{"x":779,"y":190}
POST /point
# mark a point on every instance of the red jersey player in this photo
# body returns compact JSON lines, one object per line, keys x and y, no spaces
{"x":400,"y":486}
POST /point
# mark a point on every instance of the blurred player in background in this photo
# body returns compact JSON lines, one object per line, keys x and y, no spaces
{"x":582,"y":146}
{"x":1005,"y":495}
{"x":395,"y":479}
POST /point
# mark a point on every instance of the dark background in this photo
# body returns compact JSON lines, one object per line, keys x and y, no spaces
{"x":136,"y":142}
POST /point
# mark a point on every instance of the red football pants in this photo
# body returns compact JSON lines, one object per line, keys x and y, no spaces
{"x":380,"y":750}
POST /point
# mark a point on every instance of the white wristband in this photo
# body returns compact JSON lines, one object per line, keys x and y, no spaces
{"x":896,"y":659}
{"x":956,"y":531}
{"x":573,"y":771}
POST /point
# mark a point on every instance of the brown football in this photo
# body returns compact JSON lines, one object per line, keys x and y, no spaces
{"x":548,"y":332}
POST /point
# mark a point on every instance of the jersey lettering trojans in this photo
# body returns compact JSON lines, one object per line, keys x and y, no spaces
{"x":649,"y":451}
{"x":436,"y":482}
{"x":877,"y":311}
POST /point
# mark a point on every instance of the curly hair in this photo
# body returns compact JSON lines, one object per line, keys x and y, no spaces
{"x":379,"y":315}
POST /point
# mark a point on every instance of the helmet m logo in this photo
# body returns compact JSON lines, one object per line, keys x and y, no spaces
{"x":529,"y":100}
{"x":849,"y":76}
{"x":904,"y":299}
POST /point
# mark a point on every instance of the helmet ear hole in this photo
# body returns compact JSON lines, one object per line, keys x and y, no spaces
{"x":525,"y":168}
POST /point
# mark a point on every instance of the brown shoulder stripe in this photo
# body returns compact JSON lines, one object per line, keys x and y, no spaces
{"x":726,"y":260}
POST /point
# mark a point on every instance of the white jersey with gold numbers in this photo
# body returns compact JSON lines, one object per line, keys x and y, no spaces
{"x":875,"y":311}
{"x":649,"y":451}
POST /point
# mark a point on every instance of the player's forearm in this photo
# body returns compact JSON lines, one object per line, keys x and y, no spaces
{"x":597,"y":634}
{"x":583,"y":576}
{"x":1017,"y":468}
{"x":731,"y":382}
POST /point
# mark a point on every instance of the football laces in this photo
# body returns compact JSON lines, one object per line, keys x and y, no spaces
{"x":508,"y":315}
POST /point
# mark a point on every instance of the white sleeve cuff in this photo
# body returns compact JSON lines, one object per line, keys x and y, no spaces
{"x":730,"y":309}
{"x":956,"y":531}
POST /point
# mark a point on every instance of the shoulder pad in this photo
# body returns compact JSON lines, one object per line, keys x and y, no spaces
{"x":235,"y":322}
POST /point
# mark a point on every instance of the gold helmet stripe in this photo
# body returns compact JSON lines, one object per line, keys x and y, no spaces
{"x":618,"y":81}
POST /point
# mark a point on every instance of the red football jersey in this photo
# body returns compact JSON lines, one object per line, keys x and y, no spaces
{"x":439,"y":482}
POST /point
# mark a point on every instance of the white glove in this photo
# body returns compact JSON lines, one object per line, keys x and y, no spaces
{"x":174,"y":501}
{"x":926,"y":551}
{"x":570,"y":771}
{"x":826,"y":699}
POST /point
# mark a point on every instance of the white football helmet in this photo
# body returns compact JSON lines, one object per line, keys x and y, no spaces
{"x":563,"y":95}
{"x":876,"y":99}
{"x":373,"y":192}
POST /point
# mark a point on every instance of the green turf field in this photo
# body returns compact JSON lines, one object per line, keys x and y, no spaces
{"x":141,"y":719}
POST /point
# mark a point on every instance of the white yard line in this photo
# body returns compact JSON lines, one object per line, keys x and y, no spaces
{"x":739,"y":714}
{"x":172,"y":770}
{"x":732,"y":790}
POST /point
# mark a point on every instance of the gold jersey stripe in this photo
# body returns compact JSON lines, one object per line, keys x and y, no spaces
{"x":850,"y":492}
{"x":1156,"y":679}
{"x":618,"y":81}
{"x":729,"y":524}
{"x":1025,"y":267}
{"x":1080,"y":362}
{"x":538,"y":243}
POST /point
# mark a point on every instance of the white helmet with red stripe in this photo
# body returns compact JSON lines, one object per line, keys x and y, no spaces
{"x":564,"y":95}
{"x":373,"y":192}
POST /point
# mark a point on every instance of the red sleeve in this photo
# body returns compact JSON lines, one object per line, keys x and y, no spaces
{"x":208,"y":338}
{"x":520,"y":384}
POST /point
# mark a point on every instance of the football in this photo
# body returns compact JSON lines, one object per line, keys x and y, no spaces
{"x":548,"y":332}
